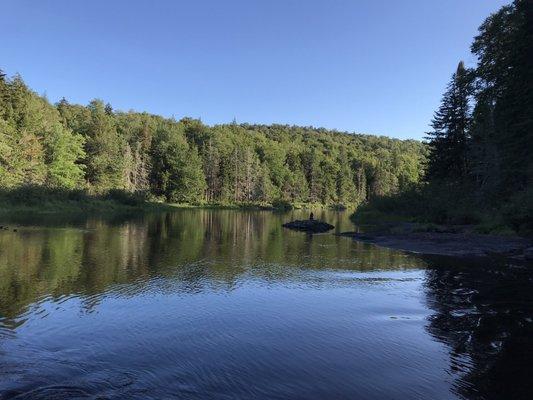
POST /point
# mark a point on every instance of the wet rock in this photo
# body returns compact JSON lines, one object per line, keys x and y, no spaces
{"x":309,"y":225}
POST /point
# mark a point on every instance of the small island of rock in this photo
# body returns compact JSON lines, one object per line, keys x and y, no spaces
{"x":309,"y":225}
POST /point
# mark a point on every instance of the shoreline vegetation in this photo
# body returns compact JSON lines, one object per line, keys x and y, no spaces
{"x":479,"y":166}
{"x":379,"y":227}
{"x":40,"y":200}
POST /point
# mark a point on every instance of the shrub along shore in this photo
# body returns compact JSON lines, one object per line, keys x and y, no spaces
{"x":38,"y":199}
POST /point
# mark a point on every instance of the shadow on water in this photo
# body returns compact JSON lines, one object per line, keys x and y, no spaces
{"x":483,"y":312}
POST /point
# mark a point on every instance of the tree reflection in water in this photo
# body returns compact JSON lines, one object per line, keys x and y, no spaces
{"x":484,"y":314}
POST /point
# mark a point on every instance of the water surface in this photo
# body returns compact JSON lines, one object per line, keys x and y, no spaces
{"x":203,"y":304}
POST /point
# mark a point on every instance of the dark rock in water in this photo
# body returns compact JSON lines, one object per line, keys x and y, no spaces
{"x":528,"y":253}
{"x":309,"y":225}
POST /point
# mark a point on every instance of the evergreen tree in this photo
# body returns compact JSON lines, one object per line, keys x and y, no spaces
{"x":9,"y":175}
{"x":504,"y":113}
{"x":25,"y":117}
{"x":295,"y":188}
{"x":311,"y":166}
{"x":108,"y":109}
{"x":211,"y":166}
{"x":191,"y":185}
{"x":64,"y":153}
{"x":449,"y":139}
{"x":104,"y":149}
{"x":3,"y":95}
{"x":345,"y":187}
{"x":177,"y":169}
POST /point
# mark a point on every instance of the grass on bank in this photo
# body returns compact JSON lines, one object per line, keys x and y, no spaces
{"x":40,"y":199}
{"x":50,"y":200}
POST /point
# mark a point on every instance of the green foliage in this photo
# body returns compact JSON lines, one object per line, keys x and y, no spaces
{"x":176,"y":167}
{"x":449,"y":138}
{"x":518,"y":210}
{"x":65,"y":149}
{"x":35,"y":146}
{"x":480,"y":164}
{"x":505,"y":79}
{"x":437,"y":203}
{"x":282,"y":205}
{"x":47,"y":199}
{"x":103,"y":150}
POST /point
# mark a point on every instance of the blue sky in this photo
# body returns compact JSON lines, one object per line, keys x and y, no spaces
{"x":374,"y":66}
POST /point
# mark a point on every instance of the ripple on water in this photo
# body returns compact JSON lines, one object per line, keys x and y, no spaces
{"x":202,"y":304}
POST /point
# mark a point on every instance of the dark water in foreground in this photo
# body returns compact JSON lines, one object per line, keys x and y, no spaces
{"x":201,"y":304}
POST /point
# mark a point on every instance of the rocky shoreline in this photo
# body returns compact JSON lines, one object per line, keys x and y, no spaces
{"x":450,"y":244}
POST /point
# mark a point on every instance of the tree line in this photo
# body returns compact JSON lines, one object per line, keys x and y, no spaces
{"x":480,"y":162}
{"x":98,"y":149}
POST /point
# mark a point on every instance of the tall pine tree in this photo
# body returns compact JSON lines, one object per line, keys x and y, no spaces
{"x":448,"y":141}
{"x":503,"y":123}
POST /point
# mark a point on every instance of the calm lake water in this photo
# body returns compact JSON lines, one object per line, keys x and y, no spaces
{"x":217,"y":304}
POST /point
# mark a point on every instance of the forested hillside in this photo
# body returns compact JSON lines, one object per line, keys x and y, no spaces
{"x":480,"y":163}
{"x":98,"y":149}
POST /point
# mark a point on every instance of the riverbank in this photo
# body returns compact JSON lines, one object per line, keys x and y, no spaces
{"x":106,"y":205}
{"x":39,"y":200}
{"x":456,"y":241}
{"x":96,"y":206}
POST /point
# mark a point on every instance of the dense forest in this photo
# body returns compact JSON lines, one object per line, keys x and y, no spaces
{"x":475,"y":167}
{"x":480,"y":163}
{"x":97,"y":149}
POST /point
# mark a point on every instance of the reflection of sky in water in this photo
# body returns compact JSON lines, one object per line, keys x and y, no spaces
{"x":203,"y":304}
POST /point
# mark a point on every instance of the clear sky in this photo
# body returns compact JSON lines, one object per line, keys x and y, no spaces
{"x":373,"y":66}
